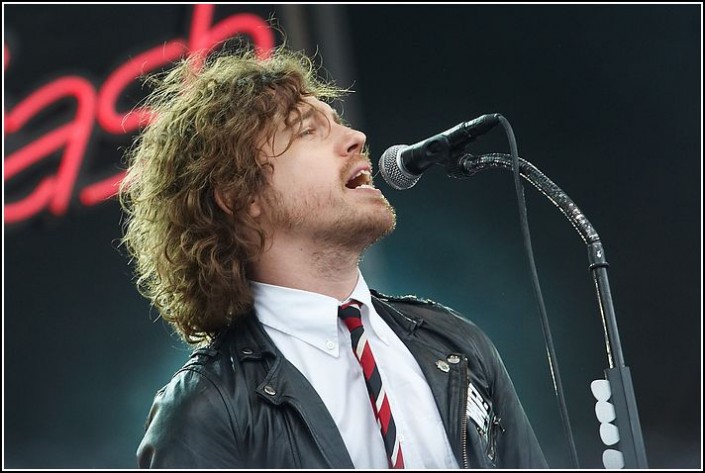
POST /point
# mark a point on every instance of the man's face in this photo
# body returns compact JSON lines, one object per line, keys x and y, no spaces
{"x":321,"y":186}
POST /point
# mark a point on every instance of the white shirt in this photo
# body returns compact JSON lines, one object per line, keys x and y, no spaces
{"x":305,"y":327}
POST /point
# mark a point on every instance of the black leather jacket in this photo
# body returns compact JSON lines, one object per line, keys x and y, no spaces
{"x":238,"y":403}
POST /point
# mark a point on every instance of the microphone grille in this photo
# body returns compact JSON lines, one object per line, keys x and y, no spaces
{"x":393,"y":171}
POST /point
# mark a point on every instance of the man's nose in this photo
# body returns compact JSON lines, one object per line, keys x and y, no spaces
{"x":352,"y":141}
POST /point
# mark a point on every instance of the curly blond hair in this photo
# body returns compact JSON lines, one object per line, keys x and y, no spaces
{"x":208,"y":121}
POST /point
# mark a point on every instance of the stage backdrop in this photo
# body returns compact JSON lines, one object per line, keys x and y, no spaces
{"x":605,"y":100}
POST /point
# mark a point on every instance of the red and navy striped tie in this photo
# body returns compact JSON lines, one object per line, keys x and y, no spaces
{"x":350,"y":314}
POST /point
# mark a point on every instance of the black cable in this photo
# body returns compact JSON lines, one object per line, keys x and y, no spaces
{"x":550,"y":351}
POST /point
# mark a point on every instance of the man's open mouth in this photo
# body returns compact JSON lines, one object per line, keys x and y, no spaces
{"x":363,"y":179}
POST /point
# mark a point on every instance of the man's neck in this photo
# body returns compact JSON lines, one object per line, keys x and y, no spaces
{"x":329,"y":271}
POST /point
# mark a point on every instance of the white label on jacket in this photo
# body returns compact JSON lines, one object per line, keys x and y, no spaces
{"x":477,"y":409}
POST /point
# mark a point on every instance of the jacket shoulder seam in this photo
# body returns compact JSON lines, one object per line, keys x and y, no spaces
{"x":409,"y":298}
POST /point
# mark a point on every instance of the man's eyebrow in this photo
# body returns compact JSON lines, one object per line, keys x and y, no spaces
{"x":311,"y":111}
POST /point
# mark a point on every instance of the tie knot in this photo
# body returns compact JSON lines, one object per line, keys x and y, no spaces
{"x":350,"y":313}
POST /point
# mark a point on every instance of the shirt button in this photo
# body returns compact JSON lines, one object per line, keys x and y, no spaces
{"x":330,"y":344}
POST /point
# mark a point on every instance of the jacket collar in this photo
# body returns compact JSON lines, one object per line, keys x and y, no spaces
{"x":251,"y":341}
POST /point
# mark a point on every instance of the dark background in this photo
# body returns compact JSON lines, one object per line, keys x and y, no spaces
{"x":605,"y":100}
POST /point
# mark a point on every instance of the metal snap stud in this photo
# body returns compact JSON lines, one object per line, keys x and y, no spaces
{"x":454,"y":359}
{"x":269,"y":390}
{"x":443,"y":366}
{"x":247,"y":351}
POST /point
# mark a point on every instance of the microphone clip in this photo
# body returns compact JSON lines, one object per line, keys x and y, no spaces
{"x":458,"y":169}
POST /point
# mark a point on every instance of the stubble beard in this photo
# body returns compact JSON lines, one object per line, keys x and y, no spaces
{"x":333,"y":222}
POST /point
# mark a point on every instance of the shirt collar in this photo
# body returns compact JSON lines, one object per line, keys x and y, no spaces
{"x":307,"y":316}
{"x":361,"y":292}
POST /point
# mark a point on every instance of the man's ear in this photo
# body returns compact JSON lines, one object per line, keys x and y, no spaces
{"x":221,"y":200}
{"x":254,"y":209}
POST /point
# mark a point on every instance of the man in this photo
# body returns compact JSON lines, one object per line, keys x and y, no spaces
{"x":249,"y":204}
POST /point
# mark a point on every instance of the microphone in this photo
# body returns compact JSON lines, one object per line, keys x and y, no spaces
{"x":401,"y":166}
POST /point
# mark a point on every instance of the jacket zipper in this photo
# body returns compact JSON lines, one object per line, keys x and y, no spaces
{"x":491,"y":438}
{"x":464,"y":415}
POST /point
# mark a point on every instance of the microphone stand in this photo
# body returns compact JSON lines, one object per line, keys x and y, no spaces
{"x":631,"y":441}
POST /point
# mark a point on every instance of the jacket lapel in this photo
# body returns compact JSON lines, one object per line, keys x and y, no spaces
{"x":284,"y":384}
{"x":447,"y":380}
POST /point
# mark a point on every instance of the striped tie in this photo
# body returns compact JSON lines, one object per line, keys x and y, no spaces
{"x":350,"y":314}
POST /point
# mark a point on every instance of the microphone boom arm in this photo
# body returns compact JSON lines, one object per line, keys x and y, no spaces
{"x":631,"y":440}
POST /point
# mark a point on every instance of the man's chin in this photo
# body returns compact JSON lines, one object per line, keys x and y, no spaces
{"x":389,"y":227}
{"x":380,"y":228}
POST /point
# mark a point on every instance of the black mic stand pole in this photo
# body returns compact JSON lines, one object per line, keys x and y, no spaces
{"x":631,"y":441}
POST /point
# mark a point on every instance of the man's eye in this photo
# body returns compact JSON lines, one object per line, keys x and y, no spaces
{"x":306,"y":132}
